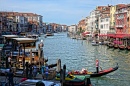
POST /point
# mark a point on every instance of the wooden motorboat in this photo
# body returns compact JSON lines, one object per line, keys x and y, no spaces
{"x":122,"y":47}
{"x":110,"y":45}
{"x":94,"y":74}
{"x":94,"y":43}
{"x":49,"y":34}
{"x":116,"y":46}
{"x":128,"y":47}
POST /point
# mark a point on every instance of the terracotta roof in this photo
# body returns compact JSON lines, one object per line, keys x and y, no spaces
{"x":120,"y":6}
{"x":99,"y":8}
{"x":18,"y":14}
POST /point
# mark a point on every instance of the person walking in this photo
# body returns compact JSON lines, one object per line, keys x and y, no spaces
{"x":46,"y":71}
{"x":35,"y":70}
{"x":9,"y":61}
{"x":43,"y":70}
{"x":10,"y":77}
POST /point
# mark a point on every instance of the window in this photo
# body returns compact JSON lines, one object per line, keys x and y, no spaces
{"x":101,"y":26}
{"x":128,"y":19}
{"x":107,"y":19}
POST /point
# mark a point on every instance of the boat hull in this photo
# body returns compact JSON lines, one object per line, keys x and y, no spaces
{"x":122,"y":47}
{"x":101,"y":73}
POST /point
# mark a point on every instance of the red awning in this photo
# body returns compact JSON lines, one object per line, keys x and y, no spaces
{"x":120,"y":35}
{"x":85,"y":33}
{"x":111,"y":35}
{"x":102,"y":35}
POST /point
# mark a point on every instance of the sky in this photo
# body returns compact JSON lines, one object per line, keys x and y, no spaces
{"x":68,"y":12}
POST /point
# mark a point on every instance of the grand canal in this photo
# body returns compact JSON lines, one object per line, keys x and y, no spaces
{"x":78,"y":54}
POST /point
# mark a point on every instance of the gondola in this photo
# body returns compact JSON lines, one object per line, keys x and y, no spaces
{"x":94,"y":74}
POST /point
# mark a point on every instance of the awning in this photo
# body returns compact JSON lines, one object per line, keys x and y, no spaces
{"x":102,"y":35}
{"x":120,"y":35}
{"x":110,"y":35}
{"x":85,"y":33}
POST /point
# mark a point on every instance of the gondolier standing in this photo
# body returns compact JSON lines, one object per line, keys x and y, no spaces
{"x":41,"y":48}
{"x":97,"y":65}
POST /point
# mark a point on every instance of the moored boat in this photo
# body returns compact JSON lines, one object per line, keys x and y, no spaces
{"x":116,"y":46}
{"x":94,"y":74}
{"x":94,"y":43}
{"x":128,"y":47}
{"x":122,"y":47}
{"x":71,"y":80}
{"x":49,"y":34}
{"x":110,"y":45}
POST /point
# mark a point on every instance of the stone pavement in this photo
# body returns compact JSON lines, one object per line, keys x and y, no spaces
{"x":4,"y":79}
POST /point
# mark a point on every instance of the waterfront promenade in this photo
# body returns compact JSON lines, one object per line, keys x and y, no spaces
{"x":17,"y":80}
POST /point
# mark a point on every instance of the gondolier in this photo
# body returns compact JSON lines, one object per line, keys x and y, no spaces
{"x":41,"y":48}
{"x":97,"y":65}
{"x":95,"y":74}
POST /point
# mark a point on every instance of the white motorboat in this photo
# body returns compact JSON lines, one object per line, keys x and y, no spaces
{"x":94,"y":43}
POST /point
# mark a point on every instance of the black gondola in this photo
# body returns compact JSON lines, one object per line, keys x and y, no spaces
{"x":94,"y":74}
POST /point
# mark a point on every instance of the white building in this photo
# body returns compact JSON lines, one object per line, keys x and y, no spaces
{"x":21,"y":23}
{"x":72,"y":29}
{"x":104,"y":23}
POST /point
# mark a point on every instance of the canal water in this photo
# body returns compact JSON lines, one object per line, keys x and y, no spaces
{"x":78,"y":54}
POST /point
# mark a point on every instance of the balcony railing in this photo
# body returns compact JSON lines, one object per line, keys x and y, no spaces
{"x":118,"y":12}
{"x":119,"y":25}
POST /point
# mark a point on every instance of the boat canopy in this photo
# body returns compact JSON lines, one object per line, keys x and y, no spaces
{"x":25,"y":40}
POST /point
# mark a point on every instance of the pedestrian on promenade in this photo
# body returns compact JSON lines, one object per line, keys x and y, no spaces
{"x":43,"y":70}
{"x":30,"y":70}
{"x":46,"y":71}
{"x":35,"y":70}
{"x":10,"y":77}
{"x":9,"y":61}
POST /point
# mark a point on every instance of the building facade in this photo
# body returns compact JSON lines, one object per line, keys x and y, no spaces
{"x":121,"y":20}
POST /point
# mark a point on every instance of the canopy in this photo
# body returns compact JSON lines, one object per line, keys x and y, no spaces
{"x":25,"y":40}
{"x":85,"y":33}
{"x":110,"y":35}
{"x":120,"y":35}
{"x":102,"y":35}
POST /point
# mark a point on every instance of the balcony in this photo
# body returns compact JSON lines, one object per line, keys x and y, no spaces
{"x":112,"y":27}
{"x":120,"y":26}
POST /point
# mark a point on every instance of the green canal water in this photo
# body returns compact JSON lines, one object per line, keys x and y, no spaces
{"x":78,"y":54}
